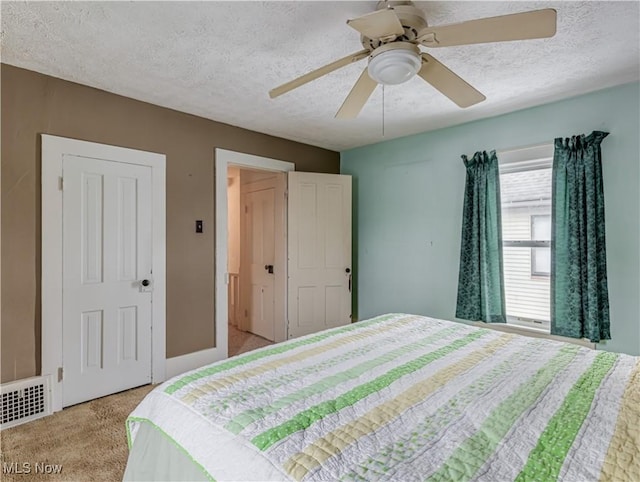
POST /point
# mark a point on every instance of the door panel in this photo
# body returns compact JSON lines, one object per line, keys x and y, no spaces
{"x":128,"y":334}
{"x":319,"y":265}
{"x":92,"y":221}
{"x":127,"y":228}
{"x":92,"y":330}
{"x":307,"y":225}
{"x":334,"y":225}
{"x":106,"y":253}
{"x":306,"y":307}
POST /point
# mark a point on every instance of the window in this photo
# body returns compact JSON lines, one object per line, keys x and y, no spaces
{"x":541,"y":257}
{"x":525,"y":189}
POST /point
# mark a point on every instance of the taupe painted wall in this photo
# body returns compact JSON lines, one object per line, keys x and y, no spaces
{"x":33,"y":104}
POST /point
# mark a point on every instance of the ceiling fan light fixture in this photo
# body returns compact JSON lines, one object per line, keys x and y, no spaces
{"x":394,"y":66}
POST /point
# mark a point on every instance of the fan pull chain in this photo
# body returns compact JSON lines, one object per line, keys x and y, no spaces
{"x":382,"y":110}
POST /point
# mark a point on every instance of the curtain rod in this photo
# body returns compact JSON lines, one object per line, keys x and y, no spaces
{"x":523,"y":148}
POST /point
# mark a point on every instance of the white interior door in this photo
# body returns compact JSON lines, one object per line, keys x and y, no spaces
{"x":262,"y":256}
{"x":107,"y":233}
{"x":319,"y":247}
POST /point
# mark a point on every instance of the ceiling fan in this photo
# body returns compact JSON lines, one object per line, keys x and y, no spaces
{"x":392,"y":37}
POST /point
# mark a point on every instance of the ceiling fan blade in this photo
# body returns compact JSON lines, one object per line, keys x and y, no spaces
{"x":295,"y":83}
{"x":379,"y":24}
{"x":517,"y":26}
{"x":358,"y":97}
{"x":448,"y":83}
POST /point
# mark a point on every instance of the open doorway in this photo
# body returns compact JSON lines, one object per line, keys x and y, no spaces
{"x":312,"y":273}
{"x":256,"y":257}
{"x":224,"y":159}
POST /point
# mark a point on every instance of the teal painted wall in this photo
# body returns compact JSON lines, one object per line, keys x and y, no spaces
{"x":408,"y":196}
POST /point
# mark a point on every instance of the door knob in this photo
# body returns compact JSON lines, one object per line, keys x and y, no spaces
{"x":145,"y":282}
{"x":269,"y":268}
{"x":348,"y":270}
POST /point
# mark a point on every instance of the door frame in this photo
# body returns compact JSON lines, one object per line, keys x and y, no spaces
{"x":54,"y":149}
{"x":223,"y":158}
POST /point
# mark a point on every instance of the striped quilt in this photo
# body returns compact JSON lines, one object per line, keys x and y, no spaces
{"x":407,"y":398}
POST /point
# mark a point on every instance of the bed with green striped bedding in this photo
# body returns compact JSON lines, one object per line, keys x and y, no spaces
{"x":401,"y":398}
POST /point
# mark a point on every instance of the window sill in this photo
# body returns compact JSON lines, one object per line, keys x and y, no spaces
{"x":534,"y":333}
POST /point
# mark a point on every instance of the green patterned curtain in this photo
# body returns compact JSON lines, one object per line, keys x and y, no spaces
{"x":579,"y":295}
{"x":481,"y":282}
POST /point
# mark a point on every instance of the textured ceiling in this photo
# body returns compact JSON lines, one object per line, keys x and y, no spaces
{"x":219,"y":59}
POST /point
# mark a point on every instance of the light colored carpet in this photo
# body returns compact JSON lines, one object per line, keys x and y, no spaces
{"x":89,"y":439}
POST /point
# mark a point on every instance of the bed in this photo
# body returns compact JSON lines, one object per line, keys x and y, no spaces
{"x":398,"y":397}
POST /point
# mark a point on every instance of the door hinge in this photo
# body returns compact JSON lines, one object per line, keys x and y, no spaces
{"x":246,"y":209}
{"x":60,"y":183}
{"x":60,"y":374}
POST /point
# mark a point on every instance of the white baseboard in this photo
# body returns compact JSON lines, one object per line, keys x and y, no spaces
{"x":190,"y":361}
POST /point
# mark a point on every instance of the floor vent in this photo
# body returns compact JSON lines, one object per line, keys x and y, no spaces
{"x":24,"y":400}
